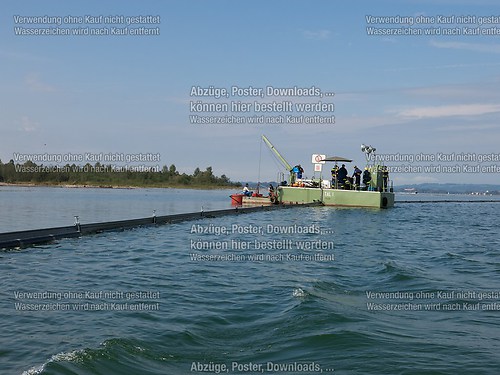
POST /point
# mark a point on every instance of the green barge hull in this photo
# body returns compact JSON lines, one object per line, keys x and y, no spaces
{"x":335,"y":197}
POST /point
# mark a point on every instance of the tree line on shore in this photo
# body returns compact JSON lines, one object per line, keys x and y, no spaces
{"x":108,"y":175}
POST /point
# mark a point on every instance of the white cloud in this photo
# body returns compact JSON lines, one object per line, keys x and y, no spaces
{"x":316,"y":34}
{"x":480,"y":91}
{"x":449,"y":110}
{"x":28,"y":125}
{"x":476,"y":47}
{"x":33,"y":82}
{"x":23,"y":56}
{"x":467,"y":127}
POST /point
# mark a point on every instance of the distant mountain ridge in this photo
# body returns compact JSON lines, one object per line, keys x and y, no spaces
{"x":451,"y":188}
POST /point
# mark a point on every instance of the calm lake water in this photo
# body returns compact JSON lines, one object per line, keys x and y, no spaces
{"x":40,"y":207}
{"x":409,"y":290}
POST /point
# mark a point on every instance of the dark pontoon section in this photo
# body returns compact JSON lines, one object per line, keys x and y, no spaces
{"x":28,"y":238}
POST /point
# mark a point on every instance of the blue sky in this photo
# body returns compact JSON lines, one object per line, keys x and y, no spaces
{"x":405,"y":95}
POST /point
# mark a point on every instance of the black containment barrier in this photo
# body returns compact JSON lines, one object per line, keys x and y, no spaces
{"x":26,"y":238}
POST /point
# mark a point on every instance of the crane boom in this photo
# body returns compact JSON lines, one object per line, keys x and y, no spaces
{"x":273,"y":149}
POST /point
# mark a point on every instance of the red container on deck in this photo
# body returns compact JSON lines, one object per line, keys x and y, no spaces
{"x":237,"y":199}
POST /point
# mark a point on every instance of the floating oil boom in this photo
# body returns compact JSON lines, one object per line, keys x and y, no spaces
{"x":27,"y":238}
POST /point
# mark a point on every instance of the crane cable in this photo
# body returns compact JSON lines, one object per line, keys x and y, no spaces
{"x":260,"y":160}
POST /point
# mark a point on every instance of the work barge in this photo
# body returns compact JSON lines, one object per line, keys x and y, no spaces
{"x":375,"y":192}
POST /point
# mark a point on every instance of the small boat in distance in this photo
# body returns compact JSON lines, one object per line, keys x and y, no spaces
{"x":410,"y":191}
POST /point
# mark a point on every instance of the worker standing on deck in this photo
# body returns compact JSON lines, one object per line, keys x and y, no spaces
{"x":342,"y":174}
{"x":298,"y":170}
{"x":385,"y":177}
{"x":357,"y":176}
{"x":272,"y":193}
{"x":367,"y":177}
{"x":270,"y":190}
{"x":335,"y":171}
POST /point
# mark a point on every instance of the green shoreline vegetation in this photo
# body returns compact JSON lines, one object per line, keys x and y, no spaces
{"x":108,"y":176}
